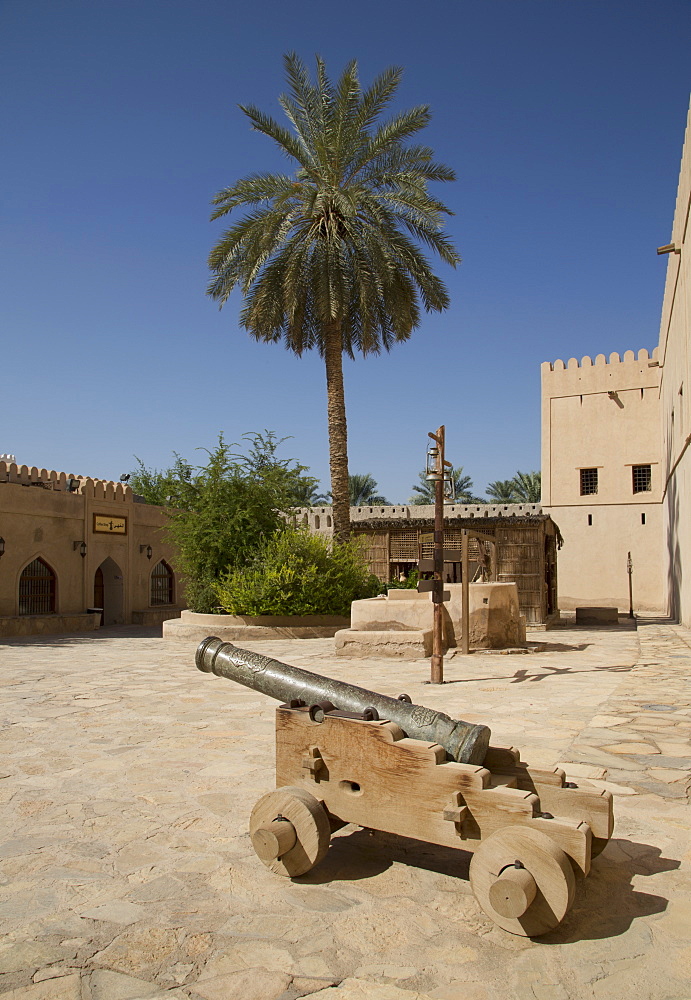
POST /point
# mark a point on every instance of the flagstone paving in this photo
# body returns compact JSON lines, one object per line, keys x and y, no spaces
{"x":126,"y":782}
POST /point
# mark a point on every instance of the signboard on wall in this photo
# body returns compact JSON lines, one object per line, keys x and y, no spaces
{"x":107,"y":524}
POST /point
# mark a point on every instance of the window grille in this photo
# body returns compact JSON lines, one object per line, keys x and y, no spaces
{"x":642,"y":482}
{"x":162,"y":583}
{"x":37,"y":589}
{"x":404,"y":546}
{"x":588,"y":481}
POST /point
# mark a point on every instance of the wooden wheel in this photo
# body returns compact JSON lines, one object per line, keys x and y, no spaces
{"x":522,"y":880}
{"x":598,"y":845}
{"x":290,"y":830}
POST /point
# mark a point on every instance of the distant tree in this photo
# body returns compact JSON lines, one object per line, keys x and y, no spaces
{"x":423,"y":491}
{"x":285,"y":475}
{"x":228,"y":514}
{"x":166,"y":488}
{"x":220,"y":512}
{"x":362,"y":490}
{"x":502,"y":491}
{"x":528,"y":487}
{"x":310,"y":495}
{"x":335,"y":256}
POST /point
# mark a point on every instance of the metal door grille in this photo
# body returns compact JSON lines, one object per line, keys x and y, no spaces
{"x":162,"y":584}
{"x":37,"y":589}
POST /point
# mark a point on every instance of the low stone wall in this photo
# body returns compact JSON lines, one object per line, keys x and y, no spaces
{"x":191,"y":626}
{"x":48,"y":624}
{"x":154,"y":616}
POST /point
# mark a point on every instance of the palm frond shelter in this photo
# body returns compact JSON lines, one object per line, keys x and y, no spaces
{"x":524,"y":550}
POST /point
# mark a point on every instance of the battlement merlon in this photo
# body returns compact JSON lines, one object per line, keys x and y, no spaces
{"x":96,"y":489}
{"x":603,"y":375}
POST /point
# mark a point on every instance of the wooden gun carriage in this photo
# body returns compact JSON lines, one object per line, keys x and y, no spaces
{"x":528,"y":828}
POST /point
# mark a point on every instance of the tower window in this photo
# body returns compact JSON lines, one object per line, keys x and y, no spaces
{"x":590,"y":519}
{"x":642,"y":482}
{"x":588,"y":481}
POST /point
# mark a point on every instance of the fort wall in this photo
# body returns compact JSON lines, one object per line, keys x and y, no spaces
{"x":675,"y":400}
{"x":55,"y":516}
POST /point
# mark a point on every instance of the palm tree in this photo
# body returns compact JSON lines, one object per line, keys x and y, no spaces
{"x":308,"y":494}
{"x":329,"y":257}
{"x":362,"y":489}
{"x":502,"y":491}
{"x":528,"y":487}
{"x":423,"y":491}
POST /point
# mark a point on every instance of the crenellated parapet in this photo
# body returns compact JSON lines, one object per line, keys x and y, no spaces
{"x":64,"y":482}
{"x":603,"y":374}
{"x":629,"y":357}
{"x":320,"y":519}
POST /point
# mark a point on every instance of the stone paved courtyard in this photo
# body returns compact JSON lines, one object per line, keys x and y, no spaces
{"x":126,"y":782}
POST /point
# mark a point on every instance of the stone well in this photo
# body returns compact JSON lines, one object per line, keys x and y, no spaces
{"x":400,"y":623}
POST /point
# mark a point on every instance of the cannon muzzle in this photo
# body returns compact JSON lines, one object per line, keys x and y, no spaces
{"x":462,"y":741}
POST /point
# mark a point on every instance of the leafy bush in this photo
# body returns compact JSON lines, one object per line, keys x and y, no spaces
{"x":227,"y":516}
{"x":295,"y":573}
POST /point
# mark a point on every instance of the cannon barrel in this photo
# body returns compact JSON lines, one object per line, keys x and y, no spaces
{"x":462,"y":741}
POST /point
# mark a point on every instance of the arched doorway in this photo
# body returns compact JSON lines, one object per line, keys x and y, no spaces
{"x":108,"y":592}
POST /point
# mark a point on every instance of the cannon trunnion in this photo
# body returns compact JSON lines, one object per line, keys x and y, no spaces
{"x":527,"y":828}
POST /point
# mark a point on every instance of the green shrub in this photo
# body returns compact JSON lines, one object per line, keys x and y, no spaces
{"x":295,"y":573}
{"x":408,"y":584}
{"x":227,"y":517}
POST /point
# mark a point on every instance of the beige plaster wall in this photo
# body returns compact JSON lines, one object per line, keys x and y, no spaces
{"x":604,"y":414}
{"x":592,"y":563}
{"x":39,"y":522}
{"x":673,"y":353}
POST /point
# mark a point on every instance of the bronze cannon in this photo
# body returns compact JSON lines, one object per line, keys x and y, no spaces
{"x":462,"y":741}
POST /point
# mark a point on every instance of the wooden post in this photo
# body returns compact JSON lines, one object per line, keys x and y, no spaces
{"x":465,"y":593}
{"x":437,"y":663}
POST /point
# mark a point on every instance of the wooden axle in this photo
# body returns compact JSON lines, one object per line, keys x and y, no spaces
{"x":273,"y":841}
{"x":513,"y":891}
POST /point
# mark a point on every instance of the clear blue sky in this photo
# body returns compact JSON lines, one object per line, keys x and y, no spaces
{"x":562,"y":118}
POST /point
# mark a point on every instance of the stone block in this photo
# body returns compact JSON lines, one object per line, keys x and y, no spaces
{"x":410,"y":644}
{"x":597,"y":616}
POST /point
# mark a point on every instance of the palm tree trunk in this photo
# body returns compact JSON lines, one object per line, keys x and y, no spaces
{"x":338,"y":431}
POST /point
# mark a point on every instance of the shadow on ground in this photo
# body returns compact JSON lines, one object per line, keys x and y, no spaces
{"x":540,"y":673}
{"x":605,"y":906}
{"x":84,"y":638}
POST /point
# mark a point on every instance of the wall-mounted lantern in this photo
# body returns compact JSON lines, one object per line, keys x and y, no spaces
{"x":2,"y":546}
{"x":81,"y":546}
{"x":146,"y":548}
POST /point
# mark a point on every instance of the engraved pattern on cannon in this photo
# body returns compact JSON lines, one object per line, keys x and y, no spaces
{"x":462,"y":741}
